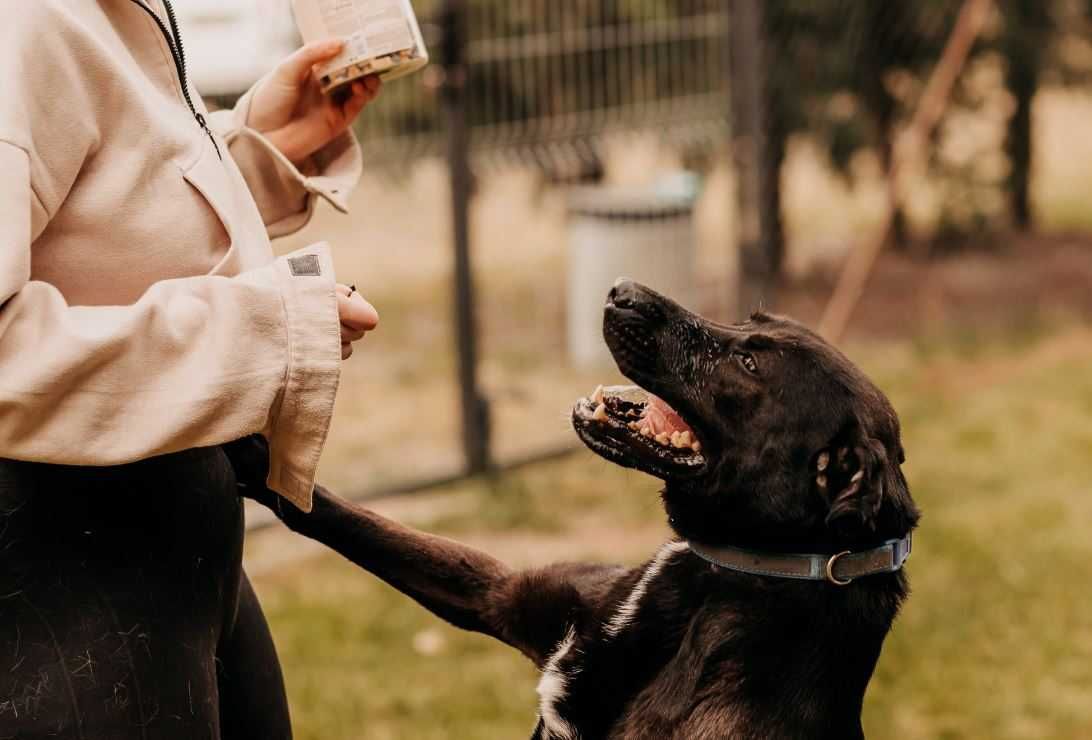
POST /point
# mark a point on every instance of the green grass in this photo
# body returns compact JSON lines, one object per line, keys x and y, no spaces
{"x":996,"y":641}
{"x":347,"y":646}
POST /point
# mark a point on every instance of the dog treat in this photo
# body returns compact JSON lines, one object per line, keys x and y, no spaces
{"x":382,"y":37}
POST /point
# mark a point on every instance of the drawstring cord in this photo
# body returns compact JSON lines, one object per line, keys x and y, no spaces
{"x":178,"y":53}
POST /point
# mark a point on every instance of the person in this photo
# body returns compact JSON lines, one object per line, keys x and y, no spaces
{"x":144,"y":324}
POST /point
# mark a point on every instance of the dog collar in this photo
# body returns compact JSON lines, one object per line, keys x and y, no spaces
{"x":840,"y":569}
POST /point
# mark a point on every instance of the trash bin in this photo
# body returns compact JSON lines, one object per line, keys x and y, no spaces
{"x":646,"y":234}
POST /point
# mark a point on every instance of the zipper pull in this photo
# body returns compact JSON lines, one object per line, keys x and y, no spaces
{"x":204,"y":124}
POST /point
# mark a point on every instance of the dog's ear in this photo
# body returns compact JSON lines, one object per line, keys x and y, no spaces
{"x":849,"y":475}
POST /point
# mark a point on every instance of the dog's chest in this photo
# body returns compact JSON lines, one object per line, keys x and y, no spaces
{"x":588,"y":691}
{"x":559,"y":674}
{"x":590,"y":677}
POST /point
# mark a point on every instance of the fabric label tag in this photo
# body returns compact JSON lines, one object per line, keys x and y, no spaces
{"x":305,"y":266}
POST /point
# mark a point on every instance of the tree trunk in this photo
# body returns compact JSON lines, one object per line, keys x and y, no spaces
{"x":1022,"y":83}
{"x":770,"y":211}
{"x":758,"y":149}
{"x":1026,"y":24}
{"x":898,"y":236}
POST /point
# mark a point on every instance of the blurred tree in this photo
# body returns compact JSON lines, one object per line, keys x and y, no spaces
{"x":831,"y":63}
{"x":1043,"y":42}
{"x":1025,"y":38}
{"x":899,"y":36}
{"x":798,"y":74}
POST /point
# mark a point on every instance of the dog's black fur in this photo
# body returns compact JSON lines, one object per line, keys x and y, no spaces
{"x":706,"y":652}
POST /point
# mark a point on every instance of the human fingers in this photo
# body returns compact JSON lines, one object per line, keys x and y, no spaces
{"x":350,"y":335}
{"x":356,"y":313}
{"x":353,"y":105}
{"x":297,"y":67}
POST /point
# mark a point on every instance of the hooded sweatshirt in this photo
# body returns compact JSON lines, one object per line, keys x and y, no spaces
{"x":142,"y":311}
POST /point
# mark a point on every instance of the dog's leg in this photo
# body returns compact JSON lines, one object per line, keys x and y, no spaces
{"x":530,"y":611}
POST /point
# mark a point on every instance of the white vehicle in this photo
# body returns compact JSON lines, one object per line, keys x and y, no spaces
{"x":230,"y":44}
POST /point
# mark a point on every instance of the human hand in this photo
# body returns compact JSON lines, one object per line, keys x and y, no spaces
{"x":358,"y":317}
{"x":290,"y":109}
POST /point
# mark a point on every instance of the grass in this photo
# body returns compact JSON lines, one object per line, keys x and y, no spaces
{"x":996,"y":641}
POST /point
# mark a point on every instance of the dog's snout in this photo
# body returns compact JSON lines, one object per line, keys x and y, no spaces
{"x":624,"y":294}
{"x":632,"y":299}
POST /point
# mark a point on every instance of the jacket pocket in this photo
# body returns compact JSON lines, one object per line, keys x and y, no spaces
{"x":210,"y":179}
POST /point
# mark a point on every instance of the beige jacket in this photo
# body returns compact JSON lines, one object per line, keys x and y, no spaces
{"x":141,"y":309}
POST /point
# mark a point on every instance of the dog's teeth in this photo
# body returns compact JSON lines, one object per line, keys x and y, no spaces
{"x":646,"y":431}
{"x":685,"y":439}
{"x":634,"y":426}
{"x":822,"y":481}
{"x":597,"y":397}
{"x":824,"y":461}
{"x":600,"y":412}
{"x":677,"y":441}
{"x":663,"y":439}
{"x":696,"y":446}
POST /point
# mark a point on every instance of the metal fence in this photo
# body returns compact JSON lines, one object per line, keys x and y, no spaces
{"x":539,"y":82}
{"x":545,"y":78}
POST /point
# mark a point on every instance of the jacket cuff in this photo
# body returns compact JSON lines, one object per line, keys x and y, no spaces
{"x":299,"y":423}
{"x":285,"y":194}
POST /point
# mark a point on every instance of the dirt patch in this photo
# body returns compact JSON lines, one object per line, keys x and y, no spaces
{"x":1005,"y":282}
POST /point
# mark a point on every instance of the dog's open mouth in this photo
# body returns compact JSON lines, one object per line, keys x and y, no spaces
{"x":631,"y":427}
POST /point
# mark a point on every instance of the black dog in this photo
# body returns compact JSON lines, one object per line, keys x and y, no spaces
{"x":771,"y":444}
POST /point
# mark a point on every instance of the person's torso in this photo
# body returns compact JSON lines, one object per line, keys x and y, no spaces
{"x":153,"y":200}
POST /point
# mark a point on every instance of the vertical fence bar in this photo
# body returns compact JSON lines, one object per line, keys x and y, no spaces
{"x":749,"y":148}
{"x":475,"y":407}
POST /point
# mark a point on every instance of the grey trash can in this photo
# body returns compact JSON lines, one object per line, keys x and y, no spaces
{"x":646,"y":234}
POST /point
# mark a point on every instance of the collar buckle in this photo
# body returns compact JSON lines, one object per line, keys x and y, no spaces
{"x":828,"y":573}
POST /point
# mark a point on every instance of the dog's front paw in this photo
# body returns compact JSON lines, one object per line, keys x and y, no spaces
{"x":250,"y":459}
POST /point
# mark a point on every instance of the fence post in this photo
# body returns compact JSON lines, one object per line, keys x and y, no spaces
{"x":750,"y":145}
{"x":474,"y":406}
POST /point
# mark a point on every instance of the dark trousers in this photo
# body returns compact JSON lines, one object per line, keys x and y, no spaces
{"x":124,"y":609}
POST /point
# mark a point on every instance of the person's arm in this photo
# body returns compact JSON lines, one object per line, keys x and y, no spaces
{"x":195,"y":362}
{"x":293,"y":144}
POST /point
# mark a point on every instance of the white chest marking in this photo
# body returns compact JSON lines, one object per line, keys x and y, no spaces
{"x":628,"y":609}
{"x":551,"y":690}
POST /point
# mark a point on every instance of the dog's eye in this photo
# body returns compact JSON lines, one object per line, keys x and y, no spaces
{"x":748,"y":361}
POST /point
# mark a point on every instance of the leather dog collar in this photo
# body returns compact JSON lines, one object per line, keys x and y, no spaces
{"x":840,"y":569}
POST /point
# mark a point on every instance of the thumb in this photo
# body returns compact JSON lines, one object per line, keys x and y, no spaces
{"x":297,"y":67}
{"x":356,"y":313}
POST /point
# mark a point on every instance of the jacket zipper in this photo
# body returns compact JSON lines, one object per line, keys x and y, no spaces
{"x":178,"y":53}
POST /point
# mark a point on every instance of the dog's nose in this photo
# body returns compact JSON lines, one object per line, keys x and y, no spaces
{"x":624,"y":294}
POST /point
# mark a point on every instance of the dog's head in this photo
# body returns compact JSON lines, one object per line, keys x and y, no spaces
{"x":765,"y":435}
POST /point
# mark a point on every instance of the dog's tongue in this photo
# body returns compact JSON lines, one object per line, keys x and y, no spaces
{"x":661,"y":418}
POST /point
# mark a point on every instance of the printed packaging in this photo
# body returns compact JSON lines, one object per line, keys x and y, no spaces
{"x":382,"y":37}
